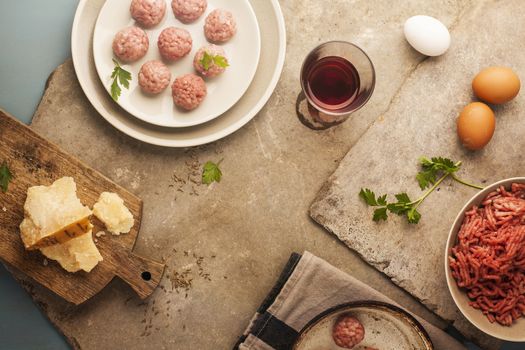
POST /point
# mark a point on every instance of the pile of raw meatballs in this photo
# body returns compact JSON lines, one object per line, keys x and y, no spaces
{"x":132,"y":43}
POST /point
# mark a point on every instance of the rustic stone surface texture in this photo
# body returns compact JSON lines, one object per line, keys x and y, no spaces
{"x":421,"y":121}
{"x":225,"y":244}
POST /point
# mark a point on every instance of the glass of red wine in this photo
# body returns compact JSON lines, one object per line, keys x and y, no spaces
{"x":337,"y":78}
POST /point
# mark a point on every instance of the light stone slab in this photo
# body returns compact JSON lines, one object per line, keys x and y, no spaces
{"x":422,"y":121}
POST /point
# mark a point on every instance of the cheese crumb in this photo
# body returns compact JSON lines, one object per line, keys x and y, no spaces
{"x":4,"y":209}
{"x":100,"y":234}
{"x":110,"y":209}
{"x":77,"y":254}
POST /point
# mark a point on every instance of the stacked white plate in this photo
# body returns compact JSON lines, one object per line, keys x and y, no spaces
{"x":256,"y":56}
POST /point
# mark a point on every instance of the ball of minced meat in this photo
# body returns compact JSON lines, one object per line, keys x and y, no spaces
{"x":348,"y":332}
{"x":188,"y":91}
{"x":148,"y":13}
{"x":220,"y":26}
{"x":154,"y":77}
{"x":188,"y":11}
{"x":174,"y":43}
{"x":130,"y":44}
{"x":209,"y":68}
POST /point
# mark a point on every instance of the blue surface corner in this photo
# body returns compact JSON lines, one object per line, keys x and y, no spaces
{"x":35,"y":37}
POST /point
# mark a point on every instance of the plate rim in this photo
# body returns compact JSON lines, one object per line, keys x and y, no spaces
{"x":452,"y":237}
{"x":210,"y":137}
{"x":366,"y":303}
{"x":211,"y":116}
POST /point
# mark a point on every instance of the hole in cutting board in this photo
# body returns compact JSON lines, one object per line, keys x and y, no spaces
{"x":146,"y":275}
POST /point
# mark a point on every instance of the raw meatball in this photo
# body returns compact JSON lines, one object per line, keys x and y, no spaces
{"x":188,"y":91}
{"x":130,"y":44}
{"x":148,"y":13}
{"x":154,"y":77}
{"x":220,"y":26}
{"x":188,"y":11}
{"x":174,"y":43}
{"x":348,"y":332}
{"x":213,"y":69}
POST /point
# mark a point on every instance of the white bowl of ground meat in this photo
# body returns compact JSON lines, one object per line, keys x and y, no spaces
{"x":485,"y":260}
{"x":226,"y":78}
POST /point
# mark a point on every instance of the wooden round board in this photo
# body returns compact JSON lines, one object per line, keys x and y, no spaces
{"x":35,"y":161}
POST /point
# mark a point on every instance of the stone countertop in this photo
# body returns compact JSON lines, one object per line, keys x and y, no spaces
{"x":225,"y":244}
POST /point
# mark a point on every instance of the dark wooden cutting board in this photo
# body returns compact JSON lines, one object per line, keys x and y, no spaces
{"x":35,"y":161}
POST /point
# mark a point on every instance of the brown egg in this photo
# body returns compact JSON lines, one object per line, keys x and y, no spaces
{"x":476,"y":125}
{"x":496,"y":85}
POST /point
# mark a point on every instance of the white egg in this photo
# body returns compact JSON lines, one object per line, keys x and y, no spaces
{"x":427,"y":35}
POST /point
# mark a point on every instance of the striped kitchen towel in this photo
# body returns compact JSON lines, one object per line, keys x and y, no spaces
{"x":307,"y":286}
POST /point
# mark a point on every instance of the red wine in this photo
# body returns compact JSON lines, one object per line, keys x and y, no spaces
{"x":332,"y":83}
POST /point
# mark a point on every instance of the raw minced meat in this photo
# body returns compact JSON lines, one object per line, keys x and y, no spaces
{"x":220,"y":26}
{"x":130,"y":44}
{"x":154,"y":77}
{"x":188,"y":91}
{"x":174,"y":43}
{"x":188,"y":11}
{"x":148,"y":13}
{"x":348,"y":331}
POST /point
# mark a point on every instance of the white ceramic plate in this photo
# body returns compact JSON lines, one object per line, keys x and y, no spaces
{"x":516,"y":332}
{"x":387,"y":327}
{"x":273,"y":46}
{"x":273,"y":43}
{"x":224,"y":91}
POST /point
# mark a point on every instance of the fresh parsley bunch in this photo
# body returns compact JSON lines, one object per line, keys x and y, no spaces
{"x":433,"y":172}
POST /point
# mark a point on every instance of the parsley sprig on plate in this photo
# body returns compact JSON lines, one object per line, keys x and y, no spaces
{"x":433,"y":172}
{"x":207,"y":60}
{"x":121,"y":77}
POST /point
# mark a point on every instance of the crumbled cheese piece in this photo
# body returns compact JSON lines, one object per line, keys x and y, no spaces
{"x":110,"y":209}
{"x":77,"y":254}
{"x":53,"y":214}
{"x":4,"y":209}
{"x":100,"y":233}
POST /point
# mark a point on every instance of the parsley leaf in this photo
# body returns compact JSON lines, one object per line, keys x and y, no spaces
{"x":368,"y":196}
{"x":413,"y":216}
{"x":221,"y":61}
{"x":211,"y":172}
{"x":115,"y":90}
{"x":208,"y":60}
{"x":403,"y":198}
{"x":5,"y":177}
{"x":380,"y":214}
{"x":119,"y":76}
{"x":433,"y":168}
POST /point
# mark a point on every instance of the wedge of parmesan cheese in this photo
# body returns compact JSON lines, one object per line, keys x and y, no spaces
{"x":53,"y":214}
{"x":77,"y":254}
{"x":110,"y":209}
